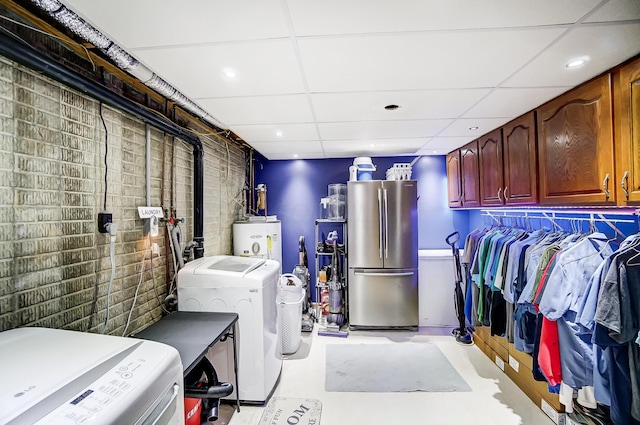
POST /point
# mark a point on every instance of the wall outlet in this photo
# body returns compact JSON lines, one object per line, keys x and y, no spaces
{"x":104,"y":218}
{"x":155,"y":250}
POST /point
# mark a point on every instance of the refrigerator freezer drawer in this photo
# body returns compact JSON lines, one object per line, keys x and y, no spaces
{"x":383,"y":298}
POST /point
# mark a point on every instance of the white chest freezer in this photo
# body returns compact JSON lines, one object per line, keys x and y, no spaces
{"x":52,"y":376}
{"x":247,"y":286}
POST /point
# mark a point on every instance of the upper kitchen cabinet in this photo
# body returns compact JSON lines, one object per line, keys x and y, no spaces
{"x":575,"y":146}
{"x":491,"y":171}
{"x":627,"y":113}
{"x":519,"y":153}
{"x":469,"y":175}
{"x":454,"y":179}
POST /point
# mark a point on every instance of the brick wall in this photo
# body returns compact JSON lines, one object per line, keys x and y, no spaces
{"x":54,"y":264}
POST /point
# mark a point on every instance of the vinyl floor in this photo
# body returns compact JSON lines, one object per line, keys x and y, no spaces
{"x":494,"y":398}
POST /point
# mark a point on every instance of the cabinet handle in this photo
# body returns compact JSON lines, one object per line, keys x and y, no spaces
{"x":499,"y":192}
{"x":505,"y":194}
{"x":623,"y":183}
{"x":605,"y":186}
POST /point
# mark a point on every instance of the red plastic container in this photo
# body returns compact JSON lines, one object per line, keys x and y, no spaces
{"x":192,"y":411}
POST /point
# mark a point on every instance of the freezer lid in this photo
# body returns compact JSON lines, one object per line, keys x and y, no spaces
{"x":44,"y":370}
{"x":229,"y":265}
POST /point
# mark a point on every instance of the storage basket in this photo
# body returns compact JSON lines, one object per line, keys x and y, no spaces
{"x":289,"y":303}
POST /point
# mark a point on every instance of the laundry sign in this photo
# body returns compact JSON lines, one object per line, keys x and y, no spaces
{"x":148,"y":212}
{"x":292,"y":411}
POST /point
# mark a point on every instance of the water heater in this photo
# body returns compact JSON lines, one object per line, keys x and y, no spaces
{"x":258,"y":239}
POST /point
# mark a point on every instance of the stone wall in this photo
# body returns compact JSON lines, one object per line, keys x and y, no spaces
{"x":55,"y":266}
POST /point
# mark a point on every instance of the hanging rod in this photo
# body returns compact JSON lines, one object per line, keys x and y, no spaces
{"x":551,"y":215}
{"x":628,"y":211}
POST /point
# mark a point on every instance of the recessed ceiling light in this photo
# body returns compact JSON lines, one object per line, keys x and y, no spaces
{"x":435,"y":151}
{"x":372,"y":145}
{"x":475,"y":127}
{"x":577,"y":63}
{"x":229,"y":73}
{"x":279,"y":133}
{"x":295,"y":155}
{"x":391,"y":107}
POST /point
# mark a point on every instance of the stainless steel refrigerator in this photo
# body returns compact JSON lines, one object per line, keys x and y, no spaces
{"x":382,"y":254}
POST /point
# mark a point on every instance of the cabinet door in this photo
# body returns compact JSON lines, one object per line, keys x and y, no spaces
{"x":454,"y":183}
{"x":575,"y":144}
{"x":491,"y":175}
{"x":628,"y":134}
{"x":469,"y":174}
{"x":520,"y":172}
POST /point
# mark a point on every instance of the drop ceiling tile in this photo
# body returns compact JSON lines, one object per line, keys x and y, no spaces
{"x":383,"y":147}
{"x":382,"y":129}
{"x":262,"y":68}
{"x":606,"y":45}
{"x":509,"y":102}
{"x":144,"y":23}
{"x":289,"y":157}
{"x":288,"y":109}
{"x":461,"y":127}
{"x":419,"y":60}
{"x":269,"y":132}
{"x":444,"y":144}
{"x":367,"y":16}
{"x":618,"y":10}
{"x":414,"y":105}
{"x":289,"y":148}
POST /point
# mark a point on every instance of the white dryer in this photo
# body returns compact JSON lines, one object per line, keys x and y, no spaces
{"x":52,"y":376}
{"x":247,"y":286}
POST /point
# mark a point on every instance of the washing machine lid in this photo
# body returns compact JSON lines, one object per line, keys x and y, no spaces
{"x":228,"y":265}
{"x":52,"y":375}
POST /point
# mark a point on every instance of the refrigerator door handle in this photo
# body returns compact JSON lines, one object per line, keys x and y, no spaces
{"x":384,"y":274}
{"x":380,"y":220}
{"x":386,"y":225}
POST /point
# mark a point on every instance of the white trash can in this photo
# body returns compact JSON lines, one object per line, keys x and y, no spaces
{"x":289,"y":302}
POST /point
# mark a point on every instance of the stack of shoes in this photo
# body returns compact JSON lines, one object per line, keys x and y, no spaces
{"x":587,"y":416}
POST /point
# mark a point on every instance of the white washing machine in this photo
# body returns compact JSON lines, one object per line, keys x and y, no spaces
{"x":258,"y":239}
{"x":247,"y":286}
{"x":52,"y":376}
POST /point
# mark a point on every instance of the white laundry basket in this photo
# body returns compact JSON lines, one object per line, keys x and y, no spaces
{"x":289,"y":301}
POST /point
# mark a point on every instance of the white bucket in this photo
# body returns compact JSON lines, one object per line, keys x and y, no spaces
{"x":364,"y":168}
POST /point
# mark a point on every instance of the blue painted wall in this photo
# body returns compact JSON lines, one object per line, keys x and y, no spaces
{"x":294,"y":189}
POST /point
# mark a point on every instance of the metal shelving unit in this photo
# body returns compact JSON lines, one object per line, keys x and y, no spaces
{"x":324,"y":258}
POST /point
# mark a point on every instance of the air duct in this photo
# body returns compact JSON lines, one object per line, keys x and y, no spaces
{"x":122,"y":59}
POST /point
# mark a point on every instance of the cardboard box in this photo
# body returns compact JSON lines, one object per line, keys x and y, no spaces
{"x":522,"y":357}
{"x":482,"y":332}
{"x":535,"y":390}
{"x":517,"y":366}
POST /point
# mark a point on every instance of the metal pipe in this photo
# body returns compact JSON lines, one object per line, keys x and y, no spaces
{"x":24,"y":54}
{"x":148,"y":163}
{"x":198,"y":202}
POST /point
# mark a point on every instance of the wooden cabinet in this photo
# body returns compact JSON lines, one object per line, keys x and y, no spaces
{"x":491,"y":170}
{"x":508,"y":174}
{"x":627,"y":113}
{"x":520,"y":155}
{"x":469,"y":175}
{"x":454,"y":179}
{"x":575,"y":144}
{"x":462,"y":176}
